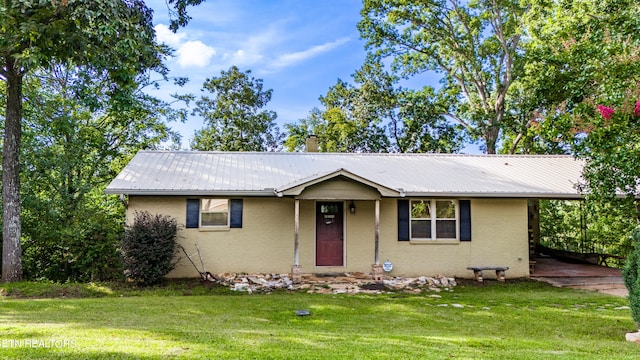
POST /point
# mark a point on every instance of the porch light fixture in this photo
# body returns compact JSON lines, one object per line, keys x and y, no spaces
{"x":352,"y":207}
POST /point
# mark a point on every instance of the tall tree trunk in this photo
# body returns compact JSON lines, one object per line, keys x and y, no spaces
{"x":491,"y":139}
{"x":11,"y":227}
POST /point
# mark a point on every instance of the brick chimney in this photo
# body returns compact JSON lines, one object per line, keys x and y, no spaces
{"x":312,"y":143}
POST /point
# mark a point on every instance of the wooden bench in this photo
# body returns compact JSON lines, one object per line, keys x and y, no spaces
{"x":477,"y":271}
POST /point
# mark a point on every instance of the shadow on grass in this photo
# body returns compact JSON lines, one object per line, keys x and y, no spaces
{"x":48,"y":289}
{"x":518,"y":320}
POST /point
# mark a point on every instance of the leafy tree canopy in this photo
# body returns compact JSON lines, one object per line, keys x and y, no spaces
{"x":376,"y":115}
{"x":234,"y":115}
{"x":113,"y":38}
{"x":475,"y":45}
{"x":75,"y":139}
{"x":579,"y":54}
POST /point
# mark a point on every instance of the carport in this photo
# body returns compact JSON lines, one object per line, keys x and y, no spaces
{"x":576,"y":275}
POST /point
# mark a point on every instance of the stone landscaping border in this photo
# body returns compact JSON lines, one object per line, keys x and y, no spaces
{"x":334,"y":283}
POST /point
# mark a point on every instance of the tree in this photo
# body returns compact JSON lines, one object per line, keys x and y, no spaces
{"x":347,"y":123}
{"x":113,"y":37}
{"x":612,"y":150}
{"x":376,"y":115}
{"x":75,"y":139}
{"x":234,"y":117}
{"x":476,"y":45}
{"x":420,"y":127}
{"x":577,"y":54}
{"x":609,"y":145}
{"x":582,"y":58}
{"x":587,"y":226}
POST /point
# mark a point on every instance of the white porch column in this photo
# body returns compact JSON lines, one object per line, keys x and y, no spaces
{"x":296,"y":230}
{"x":296,"y":269}
{"x":376,"y":268}
{"x":377,"y":234}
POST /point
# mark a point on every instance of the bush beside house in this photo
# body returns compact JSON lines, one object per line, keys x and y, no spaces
{"x":148,"y":247}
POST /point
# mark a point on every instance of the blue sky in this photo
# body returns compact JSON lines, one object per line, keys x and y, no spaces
{"x":299,"y":49}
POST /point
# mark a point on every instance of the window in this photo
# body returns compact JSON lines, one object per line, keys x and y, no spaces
{"x":329,"y":212}
{"x":214,"y":212}
{"x":433,"y":219}
{"x":211,"y":213}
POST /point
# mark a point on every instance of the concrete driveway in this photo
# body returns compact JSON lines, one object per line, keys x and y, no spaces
{"x":579,"y":276}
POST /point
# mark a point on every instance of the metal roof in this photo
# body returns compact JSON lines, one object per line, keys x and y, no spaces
{"x":268,"y":174}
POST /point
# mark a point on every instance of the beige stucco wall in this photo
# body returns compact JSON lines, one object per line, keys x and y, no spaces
{"x":339,"y":189}
{"x":499,"y":238}
{"x":265,"y":243}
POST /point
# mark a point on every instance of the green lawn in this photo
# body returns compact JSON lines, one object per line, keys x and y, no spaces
{"x":497,"y":321}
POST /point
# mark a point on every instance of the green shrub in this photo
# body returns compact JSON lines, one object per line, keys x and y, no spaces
{"x":77,"y":244}
{"x":631,"y":274}
{"x":148,"y":247}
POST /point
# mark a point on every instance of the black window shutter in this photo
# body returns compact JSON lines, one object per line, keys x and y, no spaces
{"x":465,"y":220}
{"x":403,"y":220}
{"x":193,"y":213}
{"x":236,"y":213}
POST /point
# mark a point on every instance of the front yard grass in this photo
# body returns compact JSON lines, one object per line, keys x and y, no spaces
{"x":524,"y":320}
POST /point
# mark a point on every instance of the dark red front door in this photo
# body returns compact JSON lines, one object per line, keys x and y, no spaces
{"x":329,"y":234}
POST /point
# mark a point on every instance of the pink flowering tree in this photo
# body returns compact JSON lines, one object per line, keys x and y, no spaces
{"x":606,"y":112}
{"x":612,"y":149}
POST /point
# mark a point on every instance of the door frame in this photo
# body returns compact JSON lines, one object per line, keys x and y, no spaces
{"x":315,"y":234}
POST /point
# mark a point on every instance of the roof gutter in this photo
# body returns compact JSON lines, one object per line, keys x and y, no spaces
{"x":141,"y":192}
{"x":402,"y":194}
{"x":510,"y":195}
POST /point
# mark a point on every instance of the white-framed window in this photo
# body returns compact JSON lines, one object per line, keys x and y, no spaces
{"x":214,"y":212}
{"x":434,"y":219}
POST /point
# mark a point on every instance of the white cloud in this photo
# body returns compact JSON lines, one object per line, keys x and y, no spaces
{"x":249,"y":50}
{"x":189,"y":53}
{"x":294,"y":58}
{"x":194,"y":53}
{"x":243,"y":58}
{"x":164,"y":35}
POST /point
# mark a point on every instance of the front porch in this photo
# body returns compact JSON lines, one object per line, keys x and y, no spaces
{"x":334,"y":197}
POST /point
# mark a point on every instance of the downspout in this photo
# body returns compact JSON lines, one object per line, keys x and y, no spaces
{"x":123,"y":199}
{"x":125,"y":203}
